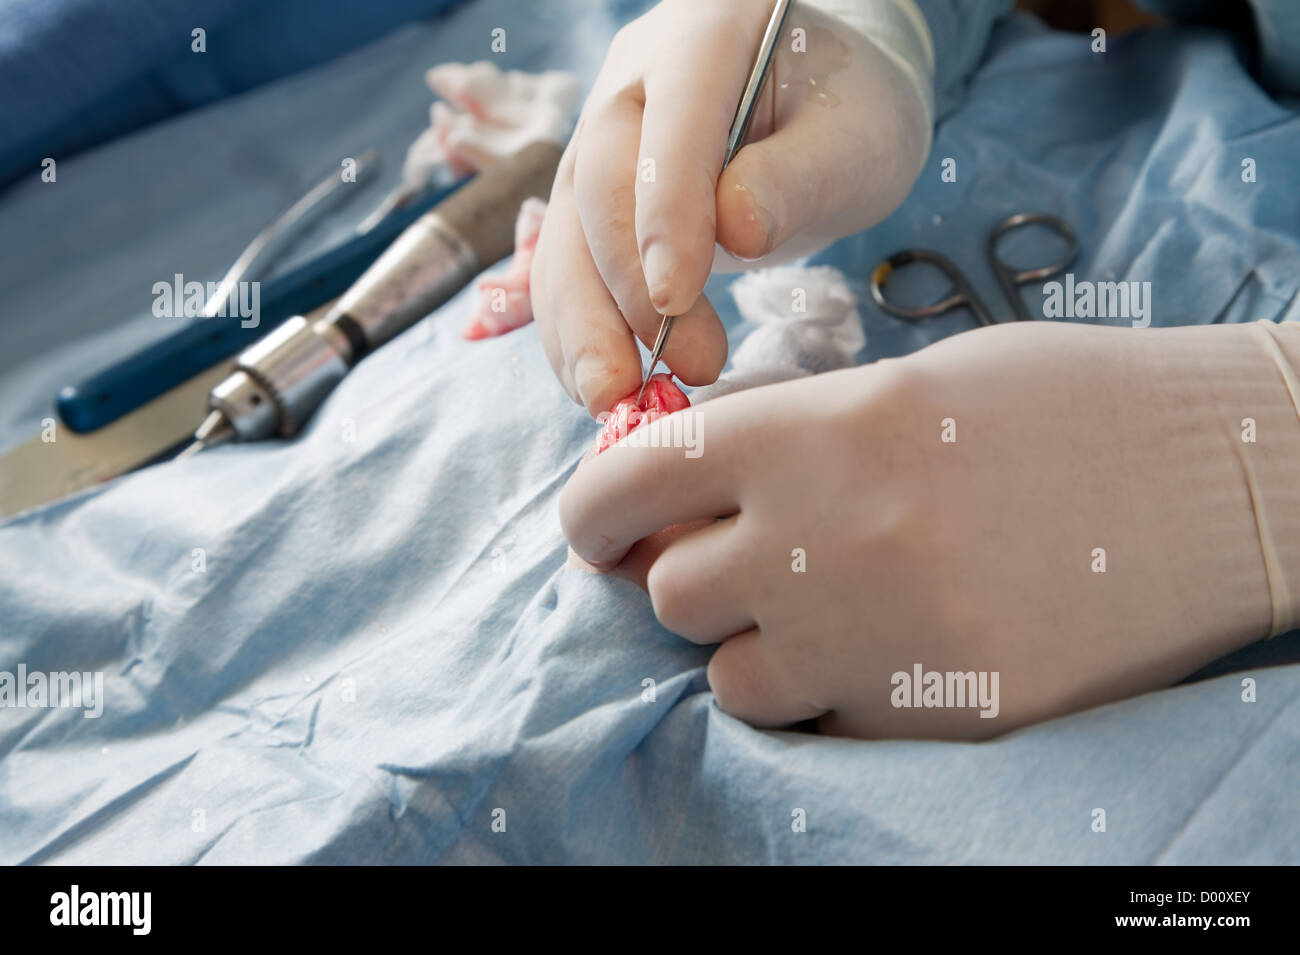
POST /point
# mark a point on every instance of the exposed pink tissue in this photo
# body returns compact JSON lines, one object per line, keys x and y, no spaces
{"x":504,"y":302}
{"x":661,"y":397}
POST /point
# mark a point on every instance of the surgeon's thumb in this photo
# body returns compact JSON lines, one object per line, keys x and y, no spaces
{"x":762,"y":199}
{"x":813,"y":179}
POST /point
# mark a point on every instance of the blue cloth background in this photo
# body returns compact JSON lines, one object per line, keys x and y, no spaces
{"x":384,"y":649}
{"x":74,"y":73}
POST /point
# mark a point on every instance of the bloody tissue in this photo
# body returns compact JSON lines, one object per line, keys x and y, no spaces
{"x":661,"y":397}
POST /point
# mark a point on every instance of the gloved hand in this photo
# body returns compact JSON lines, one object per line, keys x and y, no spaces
{"x":638,"y":203}
{"x":1114,"y":508}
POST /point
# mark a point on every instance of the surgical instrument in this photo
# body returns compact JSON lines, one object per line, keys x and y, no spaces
{"x":739,"y":126}
{"x":271,"y":240}
{"x":279,"y":381}
{"x":133,"y":380}
{"x":963,"y":293}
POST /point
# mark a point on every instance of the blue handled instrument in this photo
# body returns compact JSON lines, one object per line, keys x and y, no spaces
{"x":132,"y":382}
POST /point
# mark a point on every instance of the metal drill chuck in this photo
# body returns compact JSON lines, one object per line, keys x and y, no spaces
{"x":279,"y":381}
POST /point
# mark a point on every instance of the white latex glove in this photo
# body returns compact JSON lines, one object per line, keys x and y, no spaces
{"x":836,"y":143}
{"x":1172,"y":450}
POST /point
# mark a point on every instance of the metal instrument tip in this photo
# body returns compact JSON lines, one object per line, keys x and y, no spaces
{"x":649,"y":372}
{"x":656,"y":353}
{"x":215,"y":429}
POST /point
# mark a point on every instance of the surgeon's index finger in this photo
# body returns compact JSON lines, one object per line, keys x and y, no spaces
{"x":641,"y":486}
{"x":604,"y":186}
{"x":598,"y":353}
{"x":690,"y":102}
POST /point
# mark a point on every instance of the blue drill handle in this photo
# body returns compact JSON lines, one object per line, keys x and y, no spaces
{"x":126,"y":385}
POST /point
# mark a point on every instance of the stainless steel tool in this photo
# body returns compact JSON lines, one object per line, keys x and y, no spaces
{"x":287,"y":225}
{"x":963,"y":292}
{"x":279,"y":381}
{"x":739,"y":126}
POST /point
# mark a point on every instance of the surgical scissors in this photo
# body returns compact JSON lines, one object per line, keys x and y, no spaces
{"x":963,"y":293}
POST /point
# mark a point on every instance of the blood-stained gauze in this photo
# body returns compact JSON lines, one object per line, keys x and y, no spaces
{"x":504,"y":299}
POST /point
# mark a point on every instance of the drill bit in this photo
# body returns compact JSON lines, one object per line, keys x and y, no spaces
{"x":215,"y":429}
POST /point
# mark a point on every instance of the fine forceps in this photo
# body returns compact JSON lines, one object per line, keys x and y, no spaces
{"x":963,"y":293}
{"x":270,"y":241}
{"x":739,"y":126}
